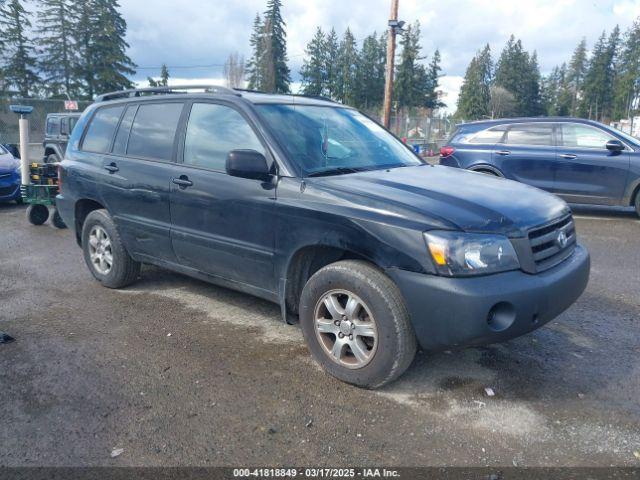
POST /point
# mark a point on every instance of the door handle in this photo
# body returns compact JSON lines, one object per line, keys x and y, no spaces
{"x":183,"y":182}
{"x":568,"y":156}
{"x":503,"y":153}
{"x":111,"y":168}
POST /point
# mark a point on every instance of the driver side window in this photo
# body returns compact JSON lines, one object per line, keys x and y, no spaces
{"x":212,"y":132}
{"x":584,"y":136}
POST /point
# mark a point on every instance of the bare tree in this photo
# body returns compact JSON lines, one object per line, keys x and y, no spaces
{"x":502,"y":103}
{"x":234,"y":70}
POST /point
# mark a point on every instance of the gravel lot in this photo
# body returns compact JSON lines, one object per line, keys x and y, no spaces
{"x":178,"y":372}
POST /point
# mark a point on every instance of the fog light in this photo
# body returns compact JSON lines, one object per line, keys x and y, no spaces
{"x":501,"y":316}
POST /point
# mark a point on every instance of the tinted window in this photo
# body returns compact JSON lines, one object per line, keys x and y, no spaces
{"x":72,"y":123}
{"x":212,"y":132}
{"x":120,"y":143}
{"x":583,"y":136}
{"x":492,"y":135}
{"x":101,"y":130}
{"x":154,"y":130}
{"x":530,"y":134}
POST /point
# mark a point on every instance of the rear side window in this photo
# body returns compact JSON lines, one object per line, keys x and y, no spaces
{"x":101,"y":129}
{"x":489,"y":136}
{"x":122,"y":137}
{"x":583,"y":136}
{"x":154,"y":130}
{"x":212,"y":132}
{"x":531,"y":134}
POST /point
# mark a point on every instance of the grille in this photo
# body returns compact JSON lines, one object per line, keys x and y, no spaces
{"x":4,"y":191}
{"x":553,"y":243}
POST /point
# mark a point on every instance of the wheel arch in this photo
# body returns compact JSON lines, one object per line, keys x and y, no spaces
{"x":84,"y":207}
{"x":483,"y":167}
{"x":302,"y":265}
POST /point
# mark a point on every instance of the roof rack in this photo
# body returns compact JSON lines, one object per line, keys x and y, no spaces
{"x":139,"y":92}
{"x":317,"y":97}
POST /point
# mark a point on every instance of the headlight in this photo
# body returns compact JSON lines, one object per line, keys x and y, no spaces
{"x":459,"y":254}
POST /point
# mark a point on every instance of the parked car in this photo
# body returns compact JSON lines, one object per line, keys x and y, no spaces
{"x":9,"y":177}
{"x":312,"y":205}
{"x":58,"y":129}
{"x":582,"y":161}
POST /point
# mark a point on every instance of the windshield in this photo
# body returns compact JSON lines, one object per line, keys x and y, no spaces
{"x":326,"y":140}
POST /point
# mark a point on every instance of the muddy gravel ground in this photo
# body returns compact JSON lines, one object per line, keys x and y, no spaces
{"x":179,"y":372}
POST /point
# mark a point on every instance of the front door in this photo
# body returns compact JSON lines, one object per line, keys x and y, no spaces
{"x":528,"y":154}
{"x":222,"y":225}
{"x":587,"y":172}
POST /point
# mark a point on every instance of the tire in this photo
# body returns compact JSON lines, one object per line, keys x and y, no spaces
{"x":488,"y":172}
{"x":104,"y":253}
{"x":391,"y":344}
{"x":37,"y":214}
{"x":56,"y":220}
{"x":19,"y":201}
{"x":53,"y":158}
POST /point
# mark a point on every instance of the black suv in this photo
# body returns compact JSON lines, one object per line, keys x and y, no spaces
{"x":57,"y":131}
{"x":312,"y":205}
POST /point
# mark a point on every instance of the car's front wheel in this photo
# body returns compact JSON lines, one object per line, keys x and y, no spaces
{"x":356,"y":324}
{"x":104,"y":252}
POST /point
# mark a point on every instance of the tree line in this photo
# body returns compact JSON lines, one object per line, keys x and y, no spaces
{"x":602,"y":85}
{"x":338,"y":67}
{"x":72,"y":48}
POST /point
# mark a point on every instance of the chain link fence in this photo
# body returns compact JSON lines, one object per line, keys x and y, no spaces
{"x":37,"y":120}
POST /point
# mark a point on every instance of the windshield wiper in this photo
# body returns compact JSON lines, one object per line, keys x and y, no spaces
{"x":335,"y":171}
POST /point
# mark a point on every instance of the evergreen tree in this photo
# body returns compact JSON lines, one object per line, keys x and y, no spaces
{"x":112,"y":65}
{"x":83,"y":37}
{"x":314,"y":68}
{"x":370,"y":72}
{"x":519,"y":74}
{"x":600,"y":77}
{"x":20,"y":61}
{"x":255,"y":65}
{"x":278,"y":78}
{"x":627,"y":85}
{"x":475,"y":94}
{"x":56,"y":21}
{"x":331,"y":66}
{"x":556,"y":94}
{"x":346,"y":65}
{"x":407,"y":88}
{"x":164,"y":78}
{"x":431,"y":98}
{"x":576,"y":73}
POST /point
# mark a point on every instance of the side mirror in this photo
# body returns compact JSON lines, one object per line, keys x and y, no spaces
{"x":615,"y":146}
{"x":248,"y":164}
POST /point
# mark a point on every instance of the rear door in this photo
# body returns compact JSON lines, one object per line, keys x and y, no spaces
{"x":587,"y":172}
{"x":222,"y":225}
{"x":137,"y":175}
{"x":528,"y":154}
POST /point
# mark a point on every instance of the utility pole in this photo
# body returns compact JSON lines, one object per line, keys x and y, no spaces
{"x":395,"y":28}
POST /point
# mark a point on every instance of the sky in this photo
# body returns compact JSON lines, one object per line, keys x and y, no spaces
{"x":194,"y":37}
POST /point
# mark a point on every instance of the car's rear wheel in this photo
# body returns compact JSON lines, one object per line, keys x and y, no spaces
{"x":638,"y":203}
{"x":104,"y":252}
{"x":53,"y":158}
{"x":356,"y":324}
{"x":37,"y":214}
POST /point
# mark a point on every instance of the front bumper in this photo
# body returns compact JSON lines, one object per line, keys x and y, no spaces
{"x":455,"y":312}
{"x":9,"y":188}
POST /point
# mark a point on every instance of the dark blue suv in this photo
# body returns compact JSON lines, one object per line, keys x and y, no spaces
{"x":580,"y":160}
{"x":312,"y":205}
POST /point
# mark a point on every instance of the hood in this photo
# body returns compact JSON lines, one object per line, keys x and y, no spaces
{"x":8,"y":163}
{"x":440,"y":195}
